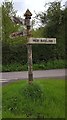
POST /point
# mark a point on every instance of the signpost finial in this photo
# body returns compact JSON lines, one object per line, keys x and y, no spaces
{"x":28,"y":14}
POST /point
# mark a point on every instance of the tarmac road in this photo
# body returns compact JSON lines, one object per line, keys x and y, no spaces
{"x":6,"y":77}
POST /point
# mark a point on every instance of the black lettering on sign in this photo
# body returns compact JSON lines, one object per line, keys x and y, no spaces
{"x":35,"y":40}
{"x":50,"y":40}
{"x":43,"y":40}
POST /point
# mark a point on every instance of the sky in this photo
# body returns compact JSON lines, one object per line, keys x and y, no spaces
{"x":33,"y":5}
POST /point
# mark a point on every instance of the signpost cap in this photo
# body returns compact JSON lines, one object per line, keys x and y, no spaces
{"x":28,"y":13}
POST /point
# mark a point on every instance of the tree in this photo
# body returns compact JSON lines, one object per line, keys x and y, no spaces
{"x":65,"y":20}
{"x":7,"y":25}
{"x":11,"y":48}
{"x":0,"y":23}
{"x":53,"y":21}
{"x":7,"y":28}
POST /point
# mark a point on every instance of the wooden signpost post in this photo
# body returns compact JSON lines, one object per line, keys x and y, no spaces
{"x":28,"y":15}
{"x":31,"y":41}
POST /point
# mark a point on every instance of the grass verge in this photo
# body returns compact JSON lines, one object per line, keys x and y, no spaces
{"x":45,"y":98}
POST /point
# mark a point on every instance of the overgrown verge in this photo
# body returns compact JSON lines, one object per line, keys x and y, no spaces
{"x":55,"y":64}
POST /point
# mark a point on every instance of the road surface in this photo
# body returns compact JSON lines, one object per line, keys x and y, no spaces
{"x":11,"y":76}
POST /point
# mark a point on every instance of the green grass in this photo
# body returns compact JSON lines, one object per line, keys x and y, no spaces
{"x":45,"y":98}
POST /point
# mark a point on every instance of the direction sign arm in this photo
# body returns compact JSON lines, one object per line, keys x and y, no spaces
{"x":15,"y":34}
{"x":17,"y":20}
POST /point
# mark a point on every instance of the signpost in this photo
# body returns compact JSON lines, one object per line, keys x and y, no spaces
{"x":42,"y":41}
{"x":30,"y":40}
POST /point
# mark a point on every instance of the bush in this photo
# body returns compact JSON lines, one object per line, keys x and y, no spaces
{"x":14,"y":67}
{"x":55,"y":64}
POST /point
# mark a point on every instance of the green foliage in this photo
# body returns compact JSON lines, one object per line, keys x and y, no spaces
{"x":0,"y":23}
{"x":7,"y":25}
{"x":14,"y":67}
{"x":47,"y":99}
{"x":14,"y":54}
{"x":38,"y":33}
{"x":54,"y":22}
{"x":55,"y":18}
{"x":50,"y":65}
{"x":55,"y":64}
